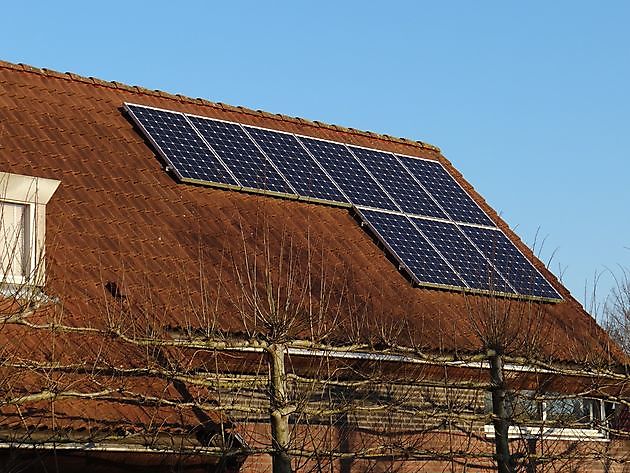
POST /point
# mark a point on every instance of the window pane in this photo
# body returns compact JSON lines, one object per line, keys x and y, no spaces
{"x":569,"y":410}
{"x":522,"y":406}
{"x":619,"y":416}
{"x":13,"y":239}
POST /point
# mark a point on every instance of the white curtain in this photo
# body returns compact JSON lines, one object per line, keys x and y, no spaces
{"x":13,"y":239}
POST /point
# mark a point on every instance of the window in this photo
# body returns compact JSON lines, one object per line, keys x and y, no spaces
{"x":23,"y":202}
{"x":552,"y":415}
{"x":618,"y":417}
{"x":573,"y":411}
{"x":15,"y":240}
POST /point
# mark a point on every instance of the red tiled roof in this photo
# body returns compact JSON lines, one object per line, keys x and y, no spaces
{"x":170,"y":247}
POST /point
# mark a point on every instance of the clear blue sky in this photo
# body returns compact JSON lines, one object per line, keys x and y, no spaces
{"x":529,"y":100}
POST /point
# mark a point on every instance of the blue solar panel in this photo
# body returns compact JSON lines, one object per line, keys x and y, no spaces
{"x":434,"y":252}
{"x":241,"y":155}
{"x":410,"y":247}
{"x":463,"y":256}
{"x":349,"y":175}
{"x":180,"y":145}
{"x":510,"y":262}
{"x":298,"y":167}
{"x":446,"y":191}
{"x":397,"y":181}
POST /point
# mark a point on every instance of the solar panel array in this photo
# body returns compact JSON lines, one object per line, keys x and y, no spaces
{"x":418,"y":211}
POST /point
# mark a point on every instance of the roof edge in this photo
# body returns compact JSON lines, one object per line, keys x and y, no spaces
{"x":70,"y":76}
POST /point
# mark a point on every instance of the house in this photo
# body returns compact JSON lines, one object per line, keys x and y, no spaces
{"x":163,"y":314}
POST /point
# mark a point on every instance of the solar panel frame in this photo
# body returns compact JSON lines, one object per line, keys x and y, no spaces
{"x":345,"y":183}
{"x":548,"y":293}
{"x":455,"y":282}
{"x":245,"y":185}
{"x":171,"y":165}
{"x":369,"y":172}
{"x":345,"y":202}
{"x":262,"y":151}
{"x":482,"y":218}
{"x":405,"y":178}
{"x":470,"y":263}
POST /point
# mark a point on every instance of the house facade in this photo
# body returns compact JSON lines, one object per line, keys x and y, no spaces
{"x":171,"y":304}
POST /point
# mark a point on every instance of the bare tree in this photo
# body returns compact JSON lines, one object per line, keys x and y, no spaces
{"x":616,"y":310}
{"x":274,"y":353}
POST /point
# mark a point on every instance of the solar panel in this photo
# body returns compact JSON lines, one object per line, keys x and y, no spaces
{"x":298,"y":167}
{"x":411,"y":248}
{"x":349,"y":175}
{"x":511,"y":262}
{"x":418,"y":211}
{"x":446,"y":191}
{"x":473,"y":267}
{"x":180,"y":145}
{"x":398,"y":183}
{"x":241,"y":155}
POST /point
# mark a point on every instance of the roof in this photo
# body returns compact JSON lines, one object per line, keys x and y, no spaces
{"x":126,"y":240}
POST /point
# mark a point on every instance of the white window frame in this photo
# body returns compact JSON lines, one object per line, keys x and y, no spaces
{"x":586,"y":434}
{"x":551,"y":433}
{"x":34,"y":193}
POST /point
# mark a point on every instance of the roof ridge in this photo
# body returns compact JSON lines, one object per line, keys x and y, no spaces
{"x":208,"y":103}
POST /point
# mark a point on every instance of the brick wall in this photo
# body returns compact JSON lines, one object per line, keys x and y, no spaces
{"x":437,"y":428}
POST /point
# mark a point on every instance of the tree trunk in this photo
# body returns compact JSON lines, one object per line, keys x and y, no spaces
{"x":501,"y":420}
{"x":279,"y":413}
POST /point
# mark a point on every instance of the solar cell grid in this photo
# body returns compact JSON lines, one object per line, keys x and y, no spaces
{"x":426,"y":265}
{"x":349,"y":175}
{"x":446,"y":191}
{"x":473,"y":267}
{"x":511,"y":262}
{"x":241,"y":155}
{"x":434,"y":252}
{"x":180,"y":145}
{"x":298,"y":167}
{"x":397,"y":181}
